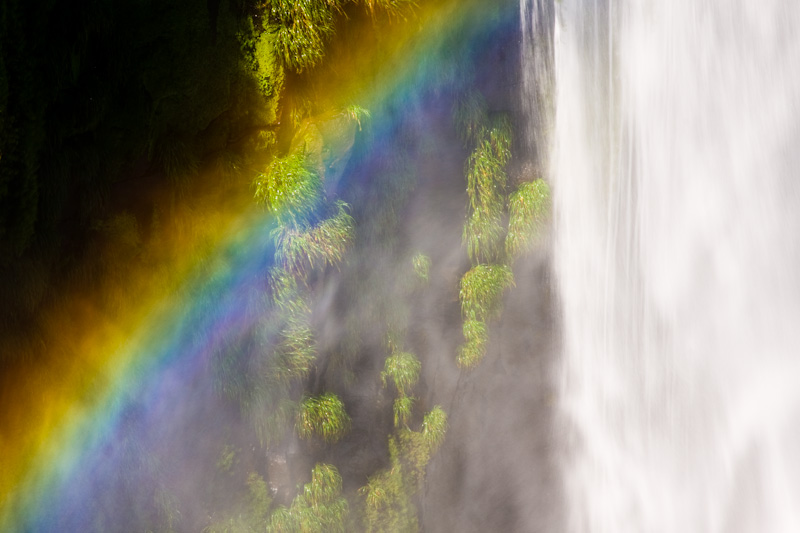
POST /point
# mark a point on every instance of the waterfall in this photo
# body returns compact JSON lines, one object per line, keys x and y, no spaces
{"x":675,"y":170}
{"x":538,"y":84}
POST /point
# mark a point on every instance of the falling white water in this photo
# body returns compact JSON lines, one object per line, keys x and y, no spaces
{"x":676,"y":184}
{"x":538,"y":24}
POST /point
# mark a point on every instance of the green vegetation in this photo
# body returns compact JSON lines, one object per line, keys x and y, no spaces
{"x":118,"y":135}
{"x":528,"y":208}
{"x":318,"y":509}
{"x":498,"y":228}
{"x":486,"y":185}
{"x":474,"y":347}
{"x":481,"y":291}
{"x":290,"y":189}
{"x":402,"y":368}
{"x":422,"y":266}
{"x":302,"y":29}
{"x":388,"y":496}
{"x":320,"y":246}
{"x":324,"y":416}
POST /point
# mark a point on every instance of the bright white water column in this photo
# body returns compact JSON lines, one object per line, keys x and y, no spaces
{"x":676,"y":188}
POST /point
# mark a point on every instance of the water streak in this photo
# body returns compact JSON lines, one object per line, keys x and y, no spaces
{"x":677,"y":261}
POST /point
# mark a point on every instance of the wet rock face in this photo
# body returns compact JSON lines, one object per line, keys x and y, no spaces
{"x":279,"y":475}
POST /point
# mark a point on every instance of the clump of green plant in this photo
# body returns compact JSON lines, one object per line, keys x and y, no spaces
{"x":481,"y":289}
{"x":296,"y":352}
{"x":402,"y":368}
{"x":486,"y":184}
{"x":434,"y":428}
{"x":301,"y":29}
{"x":402,"y":407}
{"x":320,"y":508}
{"x":528,"y":208}
{"x":474,"y":348}
{"x":422,"y":265}
{"x":286,"y":293}
{"x":360,"y":115}
{"x":322,"y":415}
{"x":388,"y":503}
{"x":290,"y":189}
{"x":259,"y":51}
{"x":301,"y":250}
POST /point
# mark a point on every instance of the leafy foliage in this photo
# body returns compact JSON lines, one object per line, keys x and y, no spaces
{"x":296,"y":352}
{"x":476,"y":337}
{"x":301,"y":29}
{"x":318,"y":509}
{"x":300,"y":251}
{"x":528,"y":209}
{"x":388,"y":495}
{"x":260,"y":54}
{"x":290,"y":189}
{"x":434,"y":428}
{"x":323,"y":415}
{"x":481,"y":290}
{"x":422,"y":265}
{"x":286,"y":293}
{"x":402,"y":410}
{"x":403,"y":369}
{"x":486,"y":183}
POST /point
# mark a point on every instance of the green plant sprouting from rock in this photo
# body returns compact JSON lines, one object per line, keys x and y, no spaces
{"x":319,"y":508}
{"x":422,"y":266}
{"x":482,"y":290}
{"x":302,"y":29}
{"x":303,"y":250}
{"x":388,"y":496}
{"x":528,"y":209}
{"x":486,"y":189}
{"x":289,"y":189}
{"x":499,"y":227}
{"x":324,"y":416}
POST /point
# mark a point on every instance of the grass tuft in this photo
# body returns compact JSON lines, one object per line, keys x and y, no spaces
{"x":323,"y":415}
{"x":528,"y":208}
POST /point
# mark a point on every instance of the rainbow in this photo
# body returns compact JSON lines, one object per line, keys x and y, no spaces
{"x":64,"y":414}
